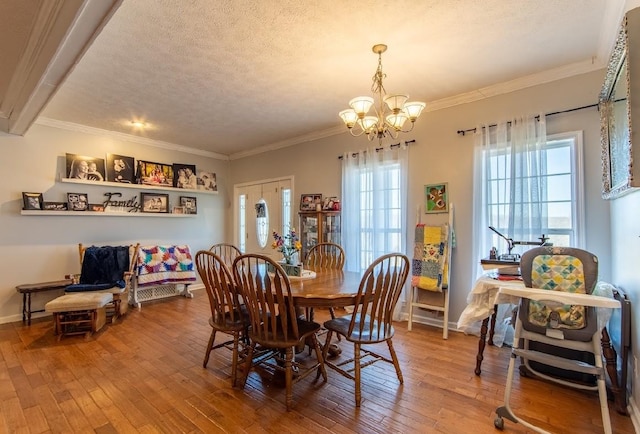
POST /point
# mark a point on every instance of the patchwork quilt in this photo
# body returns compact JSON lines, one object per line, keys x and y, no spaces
{"x":165,"y":264}
{"x":429,"y":257}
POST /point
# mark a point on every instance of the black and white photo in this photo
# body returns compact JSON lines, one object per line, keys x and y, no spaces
{"x":32,"y":201}
{"x":85,"y":168}
{"x":184,"y":176}
{"x":190,"y":204}
{"x":120,"y":169}
{"x":207,"y":181}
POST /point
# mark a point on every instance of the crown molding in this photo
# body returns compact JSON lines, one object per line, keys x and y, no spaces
{"x":547,"y":76}
{"x":316,"y":135}
{"x":69,"y":126}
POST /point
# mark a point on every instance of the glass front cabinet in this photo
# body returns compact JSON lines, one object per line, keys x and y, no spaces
{"x":318,"y":227}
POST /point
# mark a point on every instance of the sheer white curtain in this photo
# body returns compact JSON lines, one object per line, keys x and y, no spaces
{"x":509,"y":183}
{"x":509,"y":188}
{"x":374,"y":204}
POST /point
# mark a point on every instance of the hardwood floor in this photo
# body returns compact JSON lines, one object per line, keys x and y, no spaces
{"x":144,"y":374}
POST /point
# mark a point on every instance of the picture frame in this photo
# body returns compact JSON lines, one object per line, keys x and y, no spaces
{"x":184,"y":176}
{"x":77,"y":201}
{"x":55,"y":206}
{"x":120,"y":168}
{"x":620,"y":173}
{"x":207,"y":181}
{"x":436,"y":198}
{"x":154,"y":202}
{"x":152,"y":173}
{"x":310,"y":201}
{"x":329,"y":203}
{"x":190,"y":204}
{"x":32,"y":201}
{"x":178,"y":210}
{"x":96,"y":207}
{"x":85,"y":168}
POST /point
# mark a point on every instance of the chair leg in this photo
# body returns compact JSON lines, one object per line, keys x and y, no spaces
{"x":288,"y":375}
{"x":212,"y":338}
{"x":247,"y":364}
{"x":234,"y":360}
{"x":394,"y":358}
{"x":357,"y":368}
{"x":321,"y":368}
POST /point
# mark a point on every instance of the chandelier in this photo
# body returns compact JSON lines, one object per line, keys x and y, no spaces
{"x":391,"y":112}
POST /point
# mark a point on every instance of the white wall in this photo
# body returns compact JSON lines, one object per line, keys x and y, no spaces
{"x":44,"y":248}
{"x":441,"y":155}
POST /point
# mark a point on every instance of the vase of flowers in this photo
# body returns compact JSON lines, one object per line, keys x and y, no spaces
{"x":289,"y":245}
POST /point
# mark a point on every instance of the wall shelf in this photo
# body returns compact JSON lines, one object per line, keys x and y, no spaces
{"x":104,"y":214}
{"x":136,"y":186}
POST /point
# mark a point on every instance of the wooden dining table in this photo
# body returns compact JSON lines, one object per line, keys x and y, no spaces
{"x":329,"y":288}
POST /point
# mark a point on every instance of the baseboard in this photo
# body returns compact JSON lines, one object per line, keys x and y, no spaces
{"x":634,"y":414}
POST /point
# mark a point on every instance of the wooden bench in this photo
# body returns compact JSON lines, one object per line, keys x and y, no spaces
{"x":31,"y":288}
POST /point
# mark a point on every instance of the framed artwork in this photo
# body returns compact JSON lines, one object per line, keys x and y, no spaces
{"x":96,"y":207}
{"x":178,"y":210}
{"x":121,"y":169}
{"x":184,"y":176}
{"x":437,"y":198}
{"x":55,"y":206}
{"x":31,"y":201}
{"x":207,"y":181}
{"x":77,"y":201}
{"x":309,"y":202}
{"x":154,"y":202}
{"x":85,"y":168}
{"x":151,"y":173}
{"x":190,"y":204}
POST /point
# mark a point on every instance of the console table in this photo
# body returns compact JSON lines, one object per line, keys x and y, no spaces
{"x":31,"y":288}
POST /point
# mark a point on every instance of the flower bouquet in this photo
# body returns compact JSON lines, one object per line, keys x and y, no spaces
{"x":289,"y":245}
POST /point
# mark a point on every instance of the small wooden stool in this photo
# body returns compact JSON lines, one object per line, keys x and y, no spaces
{"x":79,"y":313}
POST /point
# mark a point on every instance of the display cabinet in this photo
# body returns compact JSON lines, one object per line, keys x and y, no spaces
{"x":318,"y":227}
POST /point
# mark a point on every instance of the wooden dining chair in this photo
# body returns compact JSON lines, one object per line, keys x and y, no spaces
{"x":228,"y":252}
{"x":371,"y":321}
{"x":275,"y":324}
{"x":227,"y":314}
{"x":325,"y":256}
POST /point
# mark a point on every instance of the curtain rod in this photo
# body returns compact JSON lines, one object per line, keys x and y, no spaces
{"x":470,"y":130}
{"x":395,"y":145}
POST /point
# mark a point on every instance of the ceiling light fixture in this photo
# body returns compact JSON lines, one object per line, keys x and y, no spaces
{"x":138,"y":124}
{"x":383,"y":124}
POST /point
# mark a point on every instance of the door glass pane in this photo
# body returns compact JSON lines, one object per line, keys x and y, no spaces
{"x":242,"y":224}
{"x":262,"y":223}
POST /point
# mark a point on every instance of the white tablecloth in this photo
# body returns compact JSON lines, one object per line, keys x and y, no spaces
{"x":480,"y":302}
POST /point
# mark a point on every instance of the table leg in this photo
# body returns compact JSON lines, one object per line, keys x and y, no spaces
{"x":24,"y":307}
{"x":483,"y":337}
{"x":611,"y":359}
{"x":28,"y":308}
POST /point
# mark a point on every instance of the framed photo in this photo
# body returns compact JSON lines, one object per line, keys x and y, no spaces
{"x":436,"y":198}
{"x":96,"y":207}
{"x":155,"y":202}
{"x":309,"y":202}
{"x":329,"y":203}
{"x":77,"y":201}
{"x":184,"y":176}
{"x":121,"y":169}
{"x":86,"y":168}
{"x":32,"y":201}
{"x":207,"y":181}
{"x":178,"y":210}
{"x":55,"y":206}
{"x":151,"y":173}
{"x":190,"y":204}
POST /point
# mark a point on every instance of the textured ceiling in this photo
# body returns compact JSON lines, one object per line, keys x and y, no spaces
{"x":231,"y":76}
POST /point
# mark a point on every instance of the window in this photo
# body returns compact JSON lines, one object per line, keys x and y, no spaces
{"x":374,"y":186}
{"x":556,"y":199}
